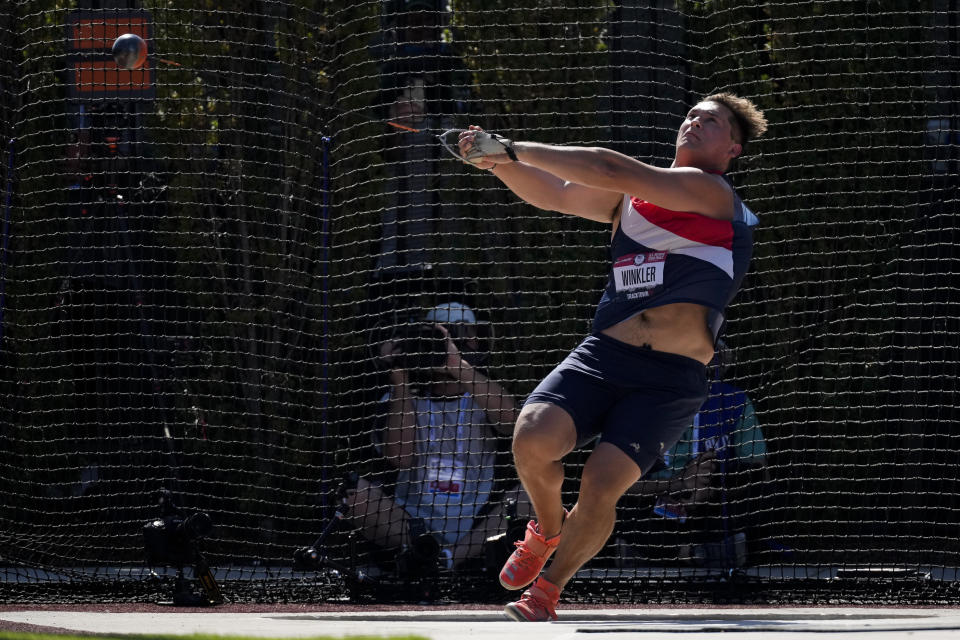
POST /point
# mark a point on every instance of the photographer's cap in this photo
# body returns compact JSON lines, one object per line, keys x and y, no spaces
{"x":451,"y":313}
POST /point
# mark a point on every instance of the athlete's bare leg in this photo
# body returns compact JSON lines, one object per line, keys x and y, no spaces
{"x":608,"y":474}
{"x":544,"y":434}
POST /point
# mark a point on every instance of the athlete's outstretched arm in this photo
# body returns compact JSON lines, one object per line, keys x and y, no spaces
{"x":676,"y":188}
{"x":546,"y":191}
{"x":604,"y":170}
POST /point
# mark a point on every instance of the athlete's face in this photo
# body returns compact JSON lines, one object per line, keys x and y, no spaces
{"x":706,"y":137}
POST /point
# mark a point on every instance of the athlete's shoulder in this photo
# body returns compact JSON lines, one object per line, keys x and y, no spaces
{"x":742,"y":213}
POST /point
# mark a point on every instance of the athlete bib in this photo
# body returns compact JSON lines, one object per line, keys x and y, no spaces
{"x":635,"y":274}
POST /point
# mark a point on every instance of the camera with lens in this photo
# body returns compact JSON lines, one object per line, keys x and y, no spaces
{"x":498,"y":548}
{"x":422,"y":557}
{"x":174,"y":539}
{"x":421,"y":346}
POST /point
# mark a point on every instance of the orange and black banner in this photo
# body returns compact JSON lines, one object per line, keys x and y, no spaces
{"x":93,"y":73}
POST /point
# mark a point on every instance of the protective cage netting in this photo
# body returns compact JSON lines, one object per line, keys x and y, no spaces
{"x":200,"y":259}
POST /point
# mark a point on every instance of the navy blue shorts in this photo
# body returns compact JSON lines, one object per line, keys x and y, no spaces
{"x":637,"y":399}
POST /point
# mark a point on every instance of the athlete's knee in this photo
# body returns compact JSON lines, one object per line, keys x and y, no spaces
{"x":606,"y":477}
{"x":599,"y":494}
{"x":544,"y":432}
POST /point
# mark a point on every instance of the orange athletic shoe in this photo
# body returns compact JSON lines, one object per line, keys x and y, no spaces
{"x":537,"y":604}
{"x":525,"y":564}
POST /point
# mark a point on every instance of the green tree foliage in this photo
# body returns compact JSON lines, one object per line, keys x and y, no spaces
{"x":839,"y":183}
{"x":209,"y":327}
{"x":537,"y":72}
{"x":246,"y":127}
{"x":229,"y":333}
{"x":34,"y":115}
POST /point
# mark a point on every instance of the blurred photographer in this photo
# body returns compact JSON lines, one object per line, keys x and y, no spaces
{"x":442,"y":416}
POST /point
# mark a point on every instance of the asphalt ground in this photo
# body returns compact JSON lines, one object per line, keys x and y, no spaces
{"x":488,"y":623}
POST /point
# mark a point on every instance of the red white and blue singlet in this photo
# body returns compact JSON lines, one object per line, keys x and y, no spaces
{"x":662,"y":257}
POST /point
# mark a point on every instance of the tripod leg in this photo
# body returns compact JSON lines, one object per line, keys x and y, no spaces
{"x":327,"y":530}
{"x":205,"y":576}
{"x":311,"y":557}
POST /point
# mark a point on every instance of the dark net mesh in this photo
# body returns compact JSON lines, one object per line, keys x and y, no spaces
{"x":202,"y":259}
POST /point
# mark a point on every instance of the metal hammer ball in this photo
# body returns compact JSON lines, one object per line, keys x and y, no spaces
{"x":130,"y":51}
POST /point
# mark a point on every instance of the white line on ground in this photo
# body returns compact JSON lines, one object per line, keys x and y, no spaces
{"x":594,"y":624}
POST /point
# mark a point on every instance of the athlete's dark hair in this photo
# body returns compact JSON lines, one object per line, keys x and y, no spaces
{"x":748,"y":122}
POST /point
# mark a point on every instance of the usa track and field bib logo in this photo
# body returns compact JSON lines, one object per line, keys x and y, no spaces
{"x":636,"y":274}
